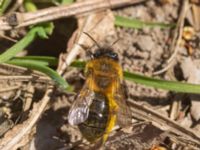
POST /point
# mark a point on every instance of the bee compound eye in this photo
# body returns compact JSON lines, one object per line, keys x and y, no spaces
{"x":97,"y":54}
{"x":113,"y":55}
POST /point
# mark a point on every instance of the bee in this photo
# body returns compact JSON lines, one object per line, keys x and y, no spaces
{"x":101,"y":104}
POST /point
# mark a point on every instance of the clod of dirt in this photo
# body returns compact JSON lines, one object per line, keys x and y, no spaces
{"x":145,"y":43}
{"x":192,"y":74}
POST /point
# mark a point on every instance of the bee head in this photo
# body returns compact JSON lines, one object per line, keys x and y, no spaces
{"x":103,"y":52}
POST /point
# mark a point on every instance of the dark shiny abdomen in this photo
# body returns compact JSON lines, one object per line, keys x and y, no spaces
{"x":94,"y":127}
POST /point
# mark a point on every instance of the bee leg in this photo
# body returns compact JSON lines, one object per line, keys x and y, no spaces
{"x":110,"y":126}
{"x":113,"y":107}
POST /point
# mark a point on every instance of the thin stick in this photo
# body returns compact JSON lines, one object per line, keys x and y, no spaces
{"x":18,"y":78}
{"x":7,"y":38}
{"x":33,"y":119}
{"x":145,"y":113}
{"x":17,"y":4}
{"x":92,"y":39}
{"x":49,"y":14}
{"x":16,"y":87}
{"x":176,"y":38}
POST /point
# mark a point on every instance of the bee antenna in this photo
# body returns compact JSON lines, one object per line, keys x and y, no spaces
{"x":115,"y":42}
{"x":90,"y":54}
{"x":92,"y":39}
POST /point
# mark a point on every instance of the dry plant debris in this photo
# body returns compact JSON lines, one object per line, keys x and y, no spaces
{"x":25,"y":19}
{"x":99,"y":25}
{"x":34,"y":113}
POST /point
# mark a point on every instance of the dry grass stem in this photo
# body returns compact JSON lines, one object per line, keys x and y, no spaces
{"x":13,"y":137}
{"x":53,"y":13}
{"x":10,"y":88}
{"x":164,"y":123}
{"x":176,"y":38}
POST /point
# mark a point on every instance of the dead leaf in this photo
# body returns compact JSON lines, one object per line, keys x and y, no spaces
{"x":98,"y":25}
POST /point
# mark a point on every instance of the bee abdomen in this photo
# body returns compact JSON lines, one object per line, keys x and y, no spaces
{"x":94,"y":127}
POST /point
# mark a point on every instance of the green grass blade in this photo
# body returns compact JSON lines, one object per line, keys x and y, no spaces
{"x":42,"y":31}
{"x":79,"y":64}
{"x":152,"y":82}
{"x":4,"y":5}
{"x":138,"y":24}
{"x":30,"y":6}
{"x":43,"y":60}
{"x":19,"y":46}
{"x":62,"y":2}
{"x":162,"y":84}
{"x":35,"y":65}
{"x":48,"y":27}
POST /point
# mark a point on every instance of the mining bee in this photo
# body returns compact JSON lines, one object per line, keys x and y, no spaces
{"x":101,"y":103}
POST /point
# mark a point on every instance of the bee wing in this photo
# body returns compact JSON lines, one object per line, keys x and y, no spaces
{"x":79,"y":110}
{"x":124,"y":112}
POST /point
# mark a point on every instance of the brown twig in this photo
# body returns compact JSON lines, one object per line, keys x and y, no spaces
{"x":7,"y":69}
{"x":17,"y":4}
{"x":176,"y":38}
{"x":10,"y":88}
{"x":13,"y":140}
{"x":7,"y":38}
{"x":182,"y":134}
{"x":20,"y":74}
{"x":48,"y":14}
{"x":26,"y":78}
{"x":28,"y":99}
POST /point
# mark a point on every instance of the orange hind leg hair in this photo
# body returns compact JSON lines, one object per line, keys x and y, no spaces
{"x":113,"y":107}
